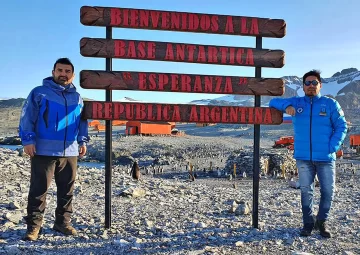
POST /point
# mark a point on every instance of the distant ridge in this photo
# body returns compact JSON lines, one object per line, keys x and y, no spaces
{"x":343,"y":85}
{"x":12,"y":102}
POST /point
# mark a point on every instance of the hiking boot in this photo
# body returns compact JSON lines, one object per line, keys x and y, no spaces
{"x":307,"y":229}
{"x":65,"y":229}
{"x":32,"y":233}
{"x":324,"y":232}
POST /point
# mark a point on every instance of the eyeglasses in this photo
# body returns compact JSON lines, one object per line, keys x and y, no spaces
{"x":314,"y":82}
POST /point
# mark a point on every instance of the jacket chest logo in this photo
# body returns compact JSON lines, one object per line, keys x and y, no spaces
{"x":300,"y":110}
{"x":323,"y":110}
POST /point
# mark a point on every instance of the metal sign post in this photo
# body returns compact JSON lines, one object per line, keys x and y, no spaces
{"x":108,"y":144}
{"x":256,"y":159}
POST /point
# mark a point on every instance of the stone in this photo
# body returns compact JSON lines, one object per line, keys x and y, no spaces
{"x":243,"y":208}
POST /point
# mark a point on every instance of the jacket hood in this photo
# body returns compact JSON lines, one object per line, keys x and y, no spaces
{"x":49,"y":82}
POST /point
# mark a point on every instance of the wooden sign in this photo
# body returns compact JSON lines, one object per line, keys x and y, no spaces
{"x":181,"y":113}
{"x":187,"y":83}
{"x":171,"y":82}
{"x":182,"y":21}
{"x":181,"y":52}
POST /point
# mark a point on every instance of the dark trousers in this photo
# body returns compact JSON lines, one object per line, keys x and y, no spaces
{"x":43,"y":168}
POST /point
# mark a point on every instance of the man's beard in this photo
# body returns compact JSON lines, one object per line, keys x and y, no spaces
{"x":62,"y":81}
{"x":311,"y":93}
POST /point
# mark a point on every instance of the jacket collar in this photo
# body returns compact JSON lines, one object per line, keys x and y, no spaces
{"x":314,"y":98}
{"x":49,"y":82}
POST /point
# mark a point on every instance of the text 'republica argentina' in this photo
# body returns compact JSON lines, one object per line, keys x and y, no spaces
{"x":181,"y":113}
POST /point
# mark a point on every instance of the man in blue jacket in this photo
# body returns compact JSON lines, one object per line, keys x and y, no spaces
{"x":319,"y":130}
{"x":53,"y":135}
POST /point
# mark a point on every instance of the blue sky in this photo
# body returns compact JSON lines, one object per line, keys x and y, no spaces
{"x":321,"y":34}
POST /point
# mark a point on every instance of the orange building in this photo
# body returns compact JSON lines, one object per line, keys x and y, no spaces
{"x":118,"y":122}
{"x":355,"y":142}
{"x":99,"y":127}
{"x":96,"y":124}
{"x":149,"y":128}
{"x":93,"y":123}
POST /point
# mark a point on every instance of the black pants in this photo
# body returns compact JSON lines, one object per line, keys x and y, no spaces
{"x":43,"y":168}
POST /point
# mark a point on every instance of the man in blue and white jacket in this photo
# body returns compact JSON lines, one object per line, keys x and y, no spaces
{"x":319,"y":130}
{"x":53,"y":135}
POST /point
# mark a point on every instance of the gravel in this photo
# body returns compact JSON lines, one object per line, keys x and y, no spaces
{"x":167,"y":213}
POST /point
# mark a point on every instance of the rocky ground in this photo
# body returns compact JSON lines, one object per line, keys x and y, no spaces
{"x":9,"y":120}
{"x":166,"y":213}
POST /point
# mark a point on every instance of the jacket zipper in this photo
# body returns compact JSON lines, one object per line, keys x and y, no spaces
{"x":66,"y":118}
{"x":46,"y":114}
{"x":57,"y":122}
{"x":311,"y":128}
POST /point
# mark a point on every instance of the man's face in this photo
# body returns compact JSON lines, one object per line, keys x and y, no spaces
{"x":312,"y":90}
{"x":63,"y":74}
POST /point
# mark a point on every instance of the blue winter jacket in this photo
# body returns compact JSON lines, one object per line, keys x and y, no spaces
{"x":319,"y":126}
{"x":51,"y":119}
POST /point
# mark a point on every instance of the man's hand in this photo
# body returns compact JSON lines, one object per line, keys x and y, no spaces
{"x":82,"y":150}
{"x":290,"y":110}
{"x":30,"y":150}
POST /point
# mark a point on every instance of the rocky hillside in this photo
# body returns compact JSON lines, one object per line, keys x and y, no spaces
{"x":12,"y":102}
{"x":10,"y":120}
{"x":344,"y":86}
{"x":9,"y":114}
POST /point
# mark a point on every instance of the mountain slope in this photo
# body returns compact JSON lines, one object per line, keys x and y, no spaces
{"x":344,"y":86}
{"x":12,"y":102}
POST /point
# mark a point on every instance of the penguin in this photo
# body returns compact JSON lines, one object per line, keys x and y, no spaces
{"x":191,"y":177}
{"x":135,"y":171}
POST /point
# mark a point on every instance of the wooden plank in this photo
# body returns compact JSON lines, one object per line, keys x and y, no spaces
{"x":181,"y":113}
{"x":186,"y":83}
{"x":181,"y":52}
{"x":182,"y":21}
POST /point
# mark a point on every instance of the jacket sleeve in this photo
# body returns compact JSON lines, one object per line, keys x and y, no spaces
{"x":281,"y":103}
{"x":28,"y":118}
{"x":83,"y":136}
{"x":339,"y":125}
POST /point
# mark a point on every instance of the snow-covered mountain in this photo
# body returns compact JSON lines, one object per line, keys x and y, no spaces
{"x":344,"y":86}
{"x":126,"y":99}
{"x":226,"y":100}
{"x":331,"y":86}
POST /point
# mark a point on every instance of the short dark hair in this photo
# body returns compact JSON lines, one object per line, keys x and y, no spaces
{"x":64,"y":61}
{"x":315,"y":73}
